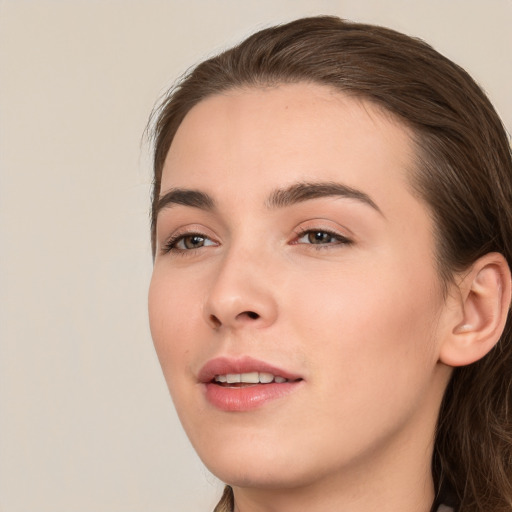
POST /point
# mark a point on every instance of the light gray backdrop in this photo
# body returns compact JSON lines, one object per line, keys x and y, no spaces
{"x":86,"y":423}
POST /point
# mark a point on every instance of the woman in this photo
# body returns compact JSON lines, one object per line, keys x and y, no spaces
{"x":332,"y":237}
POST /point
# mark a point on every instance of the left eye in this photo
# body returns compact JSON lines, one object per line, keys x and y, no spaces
{"x":318,"y":237}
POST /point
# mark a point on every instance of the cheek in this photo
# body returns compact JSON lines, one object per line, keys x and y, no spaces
{"x":370,"y":342}
{"x":172,"y":321}
{"x":376,"y":326}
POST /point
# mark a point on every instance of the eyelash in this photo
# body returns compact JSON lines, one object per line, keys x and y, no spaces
{"x":171,"y":244}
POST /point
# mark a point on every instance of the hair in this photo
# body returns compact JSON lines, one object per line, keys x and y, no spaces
{"x":463,"y":172}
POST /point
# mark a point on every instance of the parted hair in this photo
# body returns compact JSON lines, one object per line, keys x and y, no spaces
{"x":462,"y":171}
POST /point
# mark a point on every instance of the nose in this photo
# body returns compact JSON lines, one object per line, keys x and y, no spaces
{"x":241,"y":294}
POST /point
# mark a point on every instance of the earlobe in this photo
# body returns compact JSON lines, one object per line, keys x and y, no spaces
{"x":485,"y":294}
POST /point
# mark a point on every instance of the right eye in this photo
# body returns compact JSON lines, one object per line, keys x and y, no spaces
{"x":187,"y":242}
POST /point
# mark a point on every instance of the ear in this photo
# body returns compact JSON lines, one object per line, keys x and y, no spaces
{"x":483,"y":297}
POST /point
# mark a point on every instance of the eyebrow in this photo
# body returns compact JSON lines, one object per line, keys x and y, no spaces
{"x":280,"y":198}
{"x":305,"y":191}
{"x":185,"y":197}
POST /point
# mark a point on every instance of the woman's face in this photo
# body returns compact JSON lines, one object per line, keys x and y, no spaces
{"x":290,"y":247}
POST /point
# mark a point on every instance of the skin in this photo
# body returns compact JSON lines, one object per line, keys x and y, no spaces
{"x":363,"y":322}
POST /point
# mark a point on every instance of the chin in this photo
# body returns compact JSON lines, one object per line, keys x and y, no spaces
{"x":253,"y":464}
{"x":237,"y":475}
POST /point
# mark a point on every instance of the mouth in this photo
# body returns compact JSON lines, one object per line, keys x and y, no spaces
{"x":236,"y":385}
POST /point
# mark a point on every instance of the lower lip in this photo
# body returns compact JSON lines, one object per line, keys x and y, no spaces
{"x":238,"y":399}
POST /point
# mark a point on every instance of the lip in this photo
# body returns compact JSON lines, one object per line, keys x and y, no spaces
{"x":246,"y":398}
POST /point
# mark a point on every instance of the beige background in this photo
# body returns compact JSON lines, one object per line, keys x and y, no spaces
{"x":85,"y":420}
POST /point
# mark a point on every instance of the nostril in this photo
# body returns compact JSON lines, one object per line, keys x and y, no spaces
{"x":215,"y":321}
{"x":252,"y":315}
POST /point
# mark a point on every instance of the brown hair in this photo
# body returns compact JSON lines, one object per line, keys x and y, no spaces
{"x":463,"y":173}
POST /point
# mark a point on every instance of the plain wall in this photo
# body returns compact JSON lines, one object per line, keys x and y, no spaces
{"x":86,"y":423}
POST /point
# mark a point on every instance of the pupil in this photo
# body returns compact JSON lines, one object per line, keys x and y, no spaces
{"x":193,"y":241}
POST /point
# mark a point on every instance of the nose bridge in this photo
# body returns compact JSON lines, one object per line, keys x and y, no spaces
{"x":241,"y":293}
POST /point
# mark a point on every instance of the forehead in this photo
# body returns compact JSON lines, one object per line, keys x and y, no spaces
{"x":272,"y":137}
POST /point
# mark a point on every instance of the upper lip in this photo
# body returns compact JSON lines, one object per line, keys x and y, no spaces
{"x":225,"y":365}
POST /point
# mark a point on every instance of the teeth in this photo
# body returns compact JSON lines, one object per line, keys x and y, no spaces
{"x":249,"y":378}
{"x":265,"y":378}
